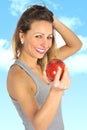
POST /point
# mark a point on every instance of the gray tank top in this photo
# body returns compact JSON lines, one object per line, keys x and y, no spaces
{"x":41,"y":95}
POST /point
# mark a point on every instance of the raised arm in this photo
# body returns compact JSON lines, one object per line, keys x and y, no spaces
{"x":73,"y":43}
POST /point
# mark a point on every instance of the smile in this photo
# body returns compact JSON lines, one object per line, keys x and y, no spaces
{"x":41,"y":51}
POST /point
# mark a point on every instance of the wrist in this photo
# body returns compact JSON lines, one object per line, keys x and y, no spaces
{"x":56,"y":91}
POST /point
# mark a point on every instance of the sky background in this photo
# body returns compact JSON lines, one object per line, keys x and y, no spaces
{"x":74,"y":105}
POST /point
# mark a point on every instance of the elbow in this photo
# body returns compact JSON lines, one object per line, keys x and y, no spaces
{"x":39,"y":125}
{"x":80,"y":45}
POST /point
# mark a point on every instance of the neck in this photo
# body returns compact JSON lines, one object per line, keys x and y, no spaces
{"x":30,"y":61}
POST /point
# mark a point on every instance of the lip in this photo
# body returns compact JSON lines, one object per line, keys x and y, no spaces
{"x":41,"y":51}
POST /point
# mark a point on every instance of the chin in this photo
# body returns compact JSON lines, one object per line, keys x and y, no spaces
{"x":41,"y":56}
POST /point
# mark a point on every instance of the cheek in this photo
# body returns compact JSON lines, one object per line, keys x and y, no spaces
{"x":31,"y":44}
{"x":50,"y":45}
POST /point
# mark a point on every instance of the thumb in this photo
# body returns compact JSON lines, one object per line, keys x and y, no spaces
{"x":56,"y":81}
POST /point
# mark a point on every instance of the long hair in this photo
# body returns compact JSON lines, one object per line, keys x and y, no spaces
{"x":33,"y":13}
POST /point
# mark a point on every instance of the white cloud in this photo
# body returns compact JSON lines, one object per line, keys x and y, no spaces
{"x":84,"y":41}
{"x":77,"y":64}
{"x":6,"y":54}
{"x":52,"y":4}
{"x":71,"y":22}
{"x":18,"y":6}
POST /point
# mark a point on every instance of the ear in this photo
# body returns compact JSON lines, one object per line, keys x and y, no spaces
{"x":21,"y":35}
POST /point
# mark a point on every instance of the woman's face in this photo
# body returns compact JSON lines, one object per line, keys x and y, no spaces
{"x":38,"y":39}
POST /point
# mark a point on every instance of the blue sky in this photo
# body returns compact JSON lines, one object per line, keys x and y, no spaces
{"x":73,"y":14}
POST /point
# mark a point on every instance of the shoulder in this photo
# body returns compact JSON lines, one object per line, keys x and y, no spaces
{"x":15,"y":74}
{"x":19,"y":82}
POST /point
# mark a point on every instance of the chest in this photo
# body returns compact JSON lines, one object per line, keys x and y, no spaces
{"x":41,"y":75}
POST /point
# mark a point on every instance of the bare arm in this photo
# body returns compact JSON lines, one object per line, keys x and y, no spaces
{"x":50,"y":107}
{"x":73,"y":43}
{"x":29,"y":104}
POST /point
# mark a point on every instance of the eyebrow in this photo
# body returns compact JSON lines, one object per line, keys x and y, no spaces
{"x":43,"y":33}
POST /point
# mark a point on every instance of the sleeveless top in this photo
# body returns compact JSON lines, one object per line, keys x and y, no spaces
{"x":41,"y":95}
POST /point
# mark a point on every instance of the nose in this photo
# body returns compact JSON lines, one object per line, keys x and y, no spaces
{"x":45,"y":42}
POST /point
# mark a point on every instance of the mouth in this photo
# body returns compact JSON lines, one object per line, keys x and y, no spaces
{"x":41,"y":51}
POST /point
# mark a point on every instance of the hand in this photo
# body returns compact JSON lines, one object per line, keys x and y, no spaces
{"x":55,"y":22}
{"x":62,"y":84}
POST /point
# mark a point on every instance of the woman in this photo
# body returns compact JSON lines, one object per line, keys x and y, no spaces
{"x":37,"y":100}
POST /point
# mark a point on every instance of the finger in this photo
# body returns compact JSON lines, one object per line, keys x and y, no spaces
{"x":65,"y":81}
{"x":66,"y":73}
{"x":58,"y":74}
{"x":56,"y":81}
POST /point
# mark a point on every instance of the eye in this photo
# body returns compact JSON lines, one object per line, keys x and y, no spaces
{"x":38,"y":36}
{"x":50,"y":37}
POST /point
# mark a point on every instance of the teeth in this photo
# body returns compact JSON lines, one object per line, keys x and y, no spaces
{"x":40,"y":50}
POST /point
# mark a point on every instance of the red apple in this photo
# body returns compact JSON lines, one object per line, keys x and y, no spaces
{"x":52,"y":68}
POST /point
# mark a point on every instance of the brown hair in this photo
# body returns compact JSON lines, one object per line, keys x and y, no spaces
{"x":33,"y":13}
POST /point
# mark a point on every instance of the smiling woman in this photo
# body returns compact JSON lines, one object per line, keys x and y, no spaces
{"x":39,"y":38}
{"x":37,"y":100}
